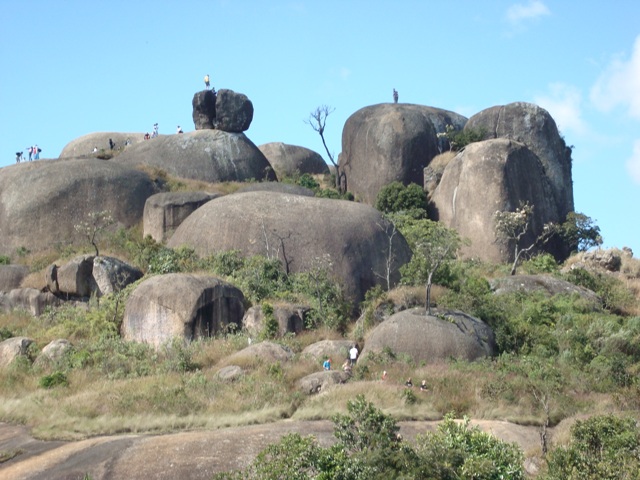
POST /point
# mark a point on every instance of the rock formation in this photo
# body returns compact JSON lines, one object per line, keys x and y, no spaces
{"x":164,"y":212}
{"x":290,"y":318}
{"x":227,"y":111}
{"x":346,"y":238}
{"x":41,"y":202}
{"x":391,"y":142}
{"x":489,"y":176}
{"x":182,"y":306}
{"x":207,"y":155}
{"x":292,"y":160}
{"x":84,"y":146}
{"x":11,"y":276}
{"x":13,"y":348}
{"x":428,"y":338}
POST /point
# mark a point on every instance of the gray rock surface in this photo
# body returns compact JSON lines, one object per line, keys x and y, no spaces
{"x":261,"y":352}
{"x":290,"y":318}
{"x":430,"y":339}
{"x":234,"y":111}
{"x":83,"y":146}
{"x":489,"y":176}
{"x":53,"y":352}
{"x":391,"y":142}
{"x":204,"y":110}
{"x":336,"y":350}
{"x":12,"y":348}
{"x":178,"y":305}
{"x":230,"y":373}
{"x":276,"y":187}
{"x":304,"y":232}
{"x":533,"y":126}
{"x":164,"y":212}
{"x":292,"y":160}
{"x":207,"y":155}
{"x":29,"y":299}
{"x":320,"y":381}
{"x":11,"y":276}
{"x":41,"y":202}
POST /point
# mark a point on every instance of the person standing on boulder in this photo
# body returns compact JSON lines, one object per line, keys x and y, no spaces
{"x":36,"y":152}
{"x":155,"y":131}
{"x":18,"y":157}
{"x":206,"y":81}
{"x":178,"y":129}
{"x":30,"y":152}
{"x":353,"y":354}
{"x":395,"y":96}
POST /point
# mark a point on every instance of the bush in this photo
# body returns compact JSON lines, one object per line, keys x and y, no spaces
{"x":396,"y":197}
{"x":56,"y":379}
{"x":4,"y":260}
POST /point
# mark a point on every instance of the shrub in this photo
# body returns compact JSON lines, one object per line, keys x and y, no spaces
{"x":4,"y":260}
{"x":396,"y":197}
{"x":56,"y":379}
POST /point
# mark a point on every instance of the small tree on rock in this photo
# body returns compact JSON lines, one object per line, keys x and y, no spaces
{"x":317,"y":120}
{"x":95,"y":224}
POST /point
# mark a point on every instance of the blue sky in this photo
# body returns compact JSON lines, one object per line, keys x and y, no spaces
{"x":68,"y":68}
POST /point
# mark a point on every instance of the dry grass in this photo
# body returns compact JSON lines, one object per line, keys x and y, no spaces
{"x":440,"y":162}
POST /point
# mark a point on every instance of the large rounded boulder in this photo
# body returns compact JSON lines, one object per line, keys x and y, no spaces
{"x":350,"y":240}
{"x":489,"y":176}
{"x":533,"y":126}
{"x":391,"y":142}
{"x":42,"y":202}
{"x":207,"y":155}
{"x":292,"y":160}
{"x":183,"y":306}
{"x":430,"y":339}
{"x":85,"y":145}
{"x":11,"y":276}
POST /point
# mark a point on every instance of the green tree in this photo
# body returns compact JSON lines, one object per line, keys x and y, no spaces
{"x":396,"y":197}
{"x":580,"y":232}
{"x":432,"y":244}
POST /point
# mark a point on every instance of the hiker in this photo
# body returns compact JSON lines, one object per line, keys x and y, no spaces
{"x":36,"y":152}
{"x":384,"y":375}
{"x":206,"y":81}
{"x":346,"y":366}
{"x":111,"y":144}
{"x":423,"y":386}
{"x":155,"y":131}
{"x":327,"y":364}
{"x":18,"y":157}
{"x":95,"y":149}
{"x":30,"y":152}
{"x":395,"y":96}
{"x":353,"y":354}
{"x":408,"y":383}
{"x":147,"y":136}
{"x":179,"y":130}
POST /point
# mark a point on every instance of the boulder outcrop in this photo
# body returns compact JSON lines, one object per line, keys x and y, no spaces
{"x":533,"y":126}
{"x":292,"y":160}
{"x":29,"y":299}
{"x":53,"y":352}
{"x":260,"y":352}
{"x":431,"y":339}
{"x":12,"y":348}
{"x":164,"y":212}
{"x":11,"y":276}
{"x":178,"y":305}
{"x":391,"y":142}
{"x":290,"y":318}
{"x":346,"y":238}
{"x":227,"y":111}
{"x":41,"y":202}
{"x":208,"y":155}
{"x":336,"y":350}
{"x":489,"y":176}
{"x":320,"y":381}
{"x":84,"y":146}
{"x":204,"y":110}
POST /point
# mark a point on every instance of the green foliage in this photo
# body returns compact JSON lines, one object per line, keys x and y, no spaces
{"x":307,"y":181}
{"x":615,"y":296}
{"x":580,"y":232}
{"x":271,"y":328}
{"x":458,"y":139}
{"x":457,"y":451}
{"x":226,"y":263}
{"x":5,"y":333}
{"x":603,"y":447}
{"x":56,"y":379}
{"x":396,"y":198}
{"x":541,"y":263}
{"x":4,"y":260}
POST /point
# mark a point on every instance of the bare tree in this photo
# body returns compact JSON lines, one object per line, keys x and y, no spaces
{"x":95,"y":224}
{"x":390,"y":230}
{"x":317,"y":120}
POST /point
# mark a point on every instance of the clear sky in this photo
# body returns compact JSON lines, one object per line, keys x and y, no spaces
{"x":68,"y":68}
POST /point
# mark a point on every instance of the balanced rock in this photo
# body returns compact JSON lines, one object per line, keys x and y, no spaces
{"x":12,"y":348}
{"x":84,"y":146}
{"x":178,"y":305}
{"x":533,"y":126}
{"x":290,"y":318}
{"x":234,"y":111}
{"x":204,"y":110}
{"x":292,"y":160}
{"x":490,"y":176}
{"x":42,"y":202}
{"x":391,"y":142}
{"x":164,"y":212}
{"x":428,"y":338}
{"x":207,"y":155}
{"x":348,"y":239}
{"x":11,"y":276}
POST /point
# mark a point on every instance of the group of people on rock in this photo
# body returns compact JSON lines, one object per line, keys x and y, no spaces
{"x":33,"y":152}
{"x":155,"y":132}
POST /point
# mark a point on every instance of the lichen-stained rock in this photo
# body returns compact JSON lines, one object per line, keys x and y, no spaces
{"x":430,"y":338}
{"x":533,"y":126}
{"x":11,"y":276}
{"x":164,"y":212}
{"x":290,"y":318}
{"x":179,"y":305}
{"x":207,"y":155}
{"x":12,"y":348}
{"x":350,"y":240}
{"x":292,"y":160}
{"x":42,"y":202}
{"x":392,"y":142}
{"x":490,"y":176}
